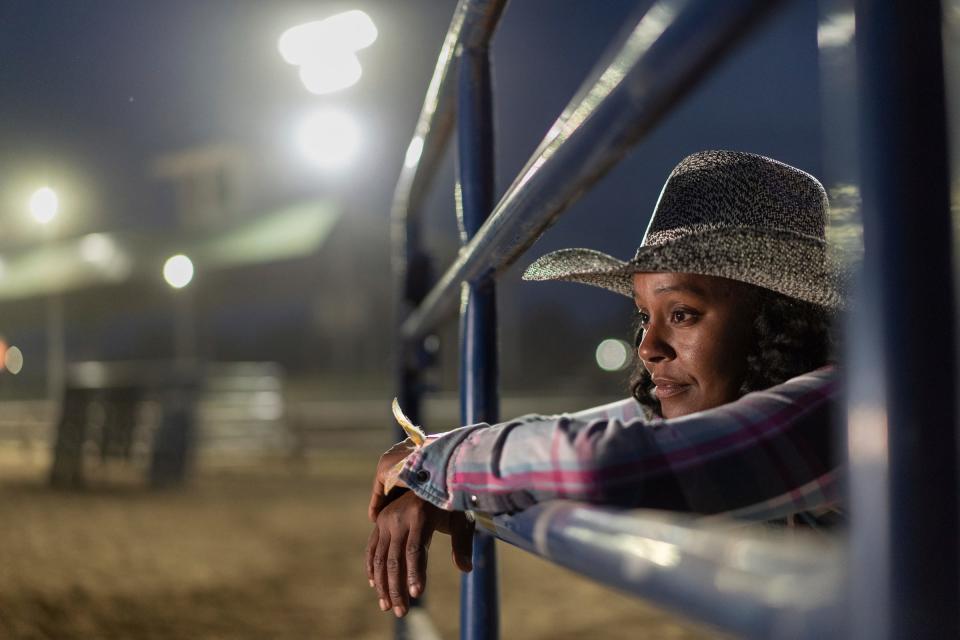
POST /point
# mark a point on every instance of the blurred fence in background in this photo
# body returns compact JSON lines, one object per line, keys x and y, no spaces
{"x":245,"y":413}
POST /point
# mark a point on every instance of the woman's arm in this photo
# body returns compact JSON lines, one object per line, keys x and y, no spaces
{"x":766,"y":453}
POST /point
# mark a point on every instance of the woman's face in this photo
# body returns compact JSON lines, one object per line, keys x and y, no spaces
{"x":696,"y":335}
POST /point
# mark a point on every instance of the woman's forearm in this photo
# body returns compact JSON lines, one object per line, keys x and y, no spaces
{"x":763,"y":447}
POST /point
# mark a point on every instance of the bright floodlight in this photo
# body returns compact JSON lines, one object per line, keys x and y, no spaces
{"x":331,"y":72}
{"x":178,"y":271}
{"x":329,"y":138}
{"x":612,"y":354}
{"x":325,"y":50}
{"x":349,"y":31}
{"x":44,"y":205}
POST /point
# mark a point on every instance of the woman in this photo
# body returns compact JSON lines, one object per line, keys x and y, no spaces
{"x":735,"y":290}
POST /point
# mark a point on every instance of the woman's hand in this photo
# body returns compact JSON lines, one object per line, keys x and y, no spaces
{"x":386,"y":471}
{"x":396,"y":559}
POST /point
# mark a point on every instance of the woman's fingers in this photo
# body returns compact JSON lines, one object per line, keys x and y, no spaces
{"x":397,"y":549}
{"x":380,"y":570}
{"x":371,"y":550}
{"x":418,"y":543}
{"x":396,"y":576}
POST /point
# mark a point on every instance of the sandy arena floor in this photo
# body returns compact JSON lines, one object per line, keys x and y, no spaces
{"x":265,"y":552}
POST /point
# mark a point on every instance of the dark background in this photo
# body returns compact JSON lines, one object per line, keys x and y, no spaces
{"x":93,"y":93}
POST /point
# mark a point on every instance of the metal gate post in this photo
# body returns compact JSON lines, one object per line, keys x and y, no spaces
{"x":479,"y":401}
{"x":413,"y":270}
{"x":905,"y":338}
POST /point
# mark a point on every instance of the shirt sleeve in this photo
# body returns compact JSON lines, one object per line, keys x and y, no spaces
{"x":765,"y":454}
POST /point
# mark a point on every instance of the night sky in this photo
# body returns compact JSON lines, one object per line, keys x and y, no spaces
{"x":97,"y":89}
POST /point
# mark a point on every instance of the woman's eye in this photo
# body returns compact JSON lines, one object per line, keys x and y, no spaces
{"x":682,"y":315}
{"x":643,"y":318}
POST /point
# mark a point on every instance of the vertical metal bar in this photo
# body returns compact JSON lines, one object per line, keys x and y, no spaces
{"x":184,"y":325}
{"x":904,"y":339}
{"x":414,"y":279}
{"x":479,"y":615}
{"x":413,"y":272}
{"x":56,"y":352}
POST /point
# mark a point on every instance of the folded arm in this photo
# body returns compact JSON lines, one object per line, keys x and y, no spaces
{"x":766,"y":454}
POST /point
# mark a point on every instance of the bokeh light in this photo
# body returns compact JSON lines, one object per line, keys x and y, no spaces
{"x":102,"y":251}
{"x":329,"y":138}
{"x":44,"y":205}
{"x":178,"y":271}
{"x":348,"y":31}
{"x":13,"y":360}
{"x":334,"y":71}
{"x":325,"y":50}
{"x":97,"y":248}
{"x":613,"y":354}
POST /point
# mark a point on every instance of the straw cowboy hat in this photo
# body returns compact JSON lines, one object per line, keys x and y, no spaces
{"x":724,"y":213}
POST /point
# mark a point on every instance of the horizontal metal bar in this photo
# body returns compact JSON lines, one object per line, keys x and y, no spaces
{"x":672,"y":45}
{"x":762,"y":586}
{"x":473,"y":24}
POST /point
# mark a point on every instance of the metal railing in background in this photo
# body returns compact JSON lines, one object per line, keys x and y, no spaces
{"x":902,"y":577}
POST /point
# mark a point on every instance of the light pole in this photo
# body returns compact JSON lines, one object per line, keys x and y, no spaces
{"x":178,"y":273}
{"x":174,"y":438}
{"x":44,"y":207}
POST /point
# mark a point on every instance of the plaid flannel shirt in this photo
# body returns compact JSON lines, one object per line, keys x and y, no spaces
{"x":766,"y":455}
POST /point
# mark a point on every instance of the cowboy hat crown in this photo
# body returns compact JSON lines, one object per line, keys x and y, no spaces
{"x":729,"y":214}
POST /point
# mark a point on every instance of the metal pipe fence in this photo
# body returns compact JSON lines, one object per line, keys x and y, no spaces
{"x":897,"y":573}
{"x":752,"y":585}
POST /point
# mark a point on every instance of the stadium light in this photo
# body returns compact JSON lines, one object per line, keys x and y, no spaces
{"x":178,"y":271}
{"x":334,"y":71}
{"x":329,"y":138}
{"x":325,"y":50}
{"x":44,"y":205}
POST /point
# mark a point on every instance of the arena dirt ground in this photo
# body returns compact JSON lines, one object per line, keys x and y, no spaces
{"x":254,"y":552}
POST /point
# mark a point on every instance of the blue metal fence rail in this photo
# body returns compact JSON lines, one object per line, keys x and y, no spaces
{"x":762,"y":587}
{"x":903,"y":575}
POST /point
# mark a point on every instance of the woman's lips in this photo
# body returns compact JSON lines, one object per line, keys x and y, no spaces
{"x":668,"y":388}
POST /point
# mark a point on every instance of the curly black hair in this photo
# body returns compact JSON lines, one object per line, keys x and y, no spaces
{"x":790,"y":337}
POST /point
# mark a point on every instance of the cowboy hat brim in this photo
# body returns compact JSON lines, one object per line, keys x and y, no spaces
{"x":786,"y":262}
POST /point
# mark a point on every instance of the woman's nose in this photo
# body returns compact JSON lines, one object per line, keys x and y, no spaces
{"x":654,"y":346}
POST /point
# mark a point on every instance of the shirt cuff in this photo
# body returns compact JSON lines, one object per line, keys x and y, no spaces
{"x":425,"y":470}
